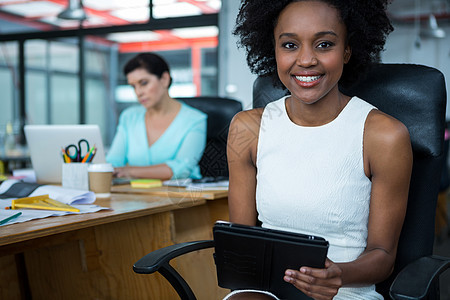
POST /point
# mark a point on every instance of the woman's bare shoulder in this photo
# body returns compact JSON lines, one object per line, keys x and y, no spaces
{"x":387,"y":144}
{"x":382,"y":127}
{"x":247,"y":122}
{"x":244,"y":132}
{"x":249,"y":115}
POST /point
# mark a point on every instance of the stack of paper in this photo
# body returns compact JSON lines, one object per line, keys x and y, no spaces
{"x":178,"y":182}
{"x":208,"y":186}
{"x":205,"y":184}
{"x":79,"y":199}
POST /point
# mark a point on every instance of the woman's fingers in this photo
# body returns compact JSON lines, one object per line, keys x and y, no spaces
{"x":316,"y":283}
{"x":120,"y":172}
{"x":306,"y":284}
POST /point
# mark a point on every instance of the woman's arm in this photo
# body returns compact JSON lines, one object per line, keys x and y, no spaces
{"x":190,"y":151}
{"x":241,"y":152}
{"x":161,"y":171}
{"x":388,"y":162}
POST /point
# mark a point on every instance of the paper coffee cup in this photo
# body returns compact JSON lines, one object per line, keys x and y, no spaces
{"x":100,"y":179}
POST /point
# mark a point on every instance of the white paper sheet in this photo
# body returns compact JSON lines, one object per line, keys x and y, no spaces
{"x":178,"y":182}
{"x":79,"y":199}
{"x":208,"y":186}
{"x":64,"y":195}
{"x":31,"y":214}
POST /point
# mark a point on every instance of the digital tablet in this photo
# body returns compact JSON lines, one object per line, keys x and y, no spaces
{"x":249,"y":257}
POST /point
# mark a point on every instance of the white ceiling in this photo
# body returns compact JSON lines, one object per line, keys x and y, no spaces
{"x":101,"y":12}
{"x":20,"y":16}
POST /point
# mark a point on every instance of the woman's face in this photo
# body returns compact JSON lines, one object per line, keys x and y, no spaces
{"x":310,"y":49}
{"x":150,"y":90}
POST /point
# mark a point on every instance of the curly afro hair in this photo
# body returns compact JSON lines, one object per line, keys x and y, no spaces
{"x":367,"y":28}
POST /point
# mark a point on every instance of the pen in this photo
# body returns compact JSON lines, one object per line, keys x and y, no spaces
{"x":91,"y":156}
{"x":66,"y":159}
{"x":88,"y":155}
{"x":10,"y":218}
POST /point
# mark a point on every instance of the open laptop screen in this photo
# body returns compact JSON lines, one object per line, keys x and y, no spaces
{"x":45,"y":143}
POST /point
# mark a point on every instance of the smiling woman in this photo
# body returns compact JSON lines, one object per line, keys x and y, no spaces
{"x":162,"y":138}
{"x":304,"y":169}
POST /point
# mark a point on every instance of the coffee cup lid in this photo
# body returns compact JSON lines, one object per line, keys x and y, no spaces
{"x":100,"y":168}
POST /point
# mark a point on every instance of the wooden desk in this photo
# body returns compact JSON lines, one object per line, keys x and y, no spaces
{"x":90,"y":256}
{"x":171,"y":191}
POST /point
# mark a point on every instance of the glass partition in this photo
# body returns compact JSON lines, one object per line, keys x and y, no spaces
{"x":36,"y":54}
{"x":64,"y":95}
{"x":37,"y":104}
{"x":51,"y":66}
{"x":96,"y":106}
{"x":8,"y":87}
{"x":64,"y":56}
{"x":6,"y":98}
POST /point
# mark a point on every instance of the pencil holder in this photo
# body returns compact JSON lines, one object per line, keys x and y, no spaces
{"x":75,"y":176}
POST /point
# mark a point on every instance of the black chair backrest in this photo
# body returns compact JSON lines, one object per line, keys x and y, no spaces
{"x":220,"y":111}
{"x":415,"y":95}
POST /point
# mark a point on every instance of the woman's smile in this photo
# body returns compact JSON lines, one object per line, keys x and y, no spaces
{"x":307,"y":81}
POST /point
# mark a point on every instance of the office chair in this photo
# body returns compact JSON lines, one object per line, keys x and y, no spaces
{"x":415,"y":95}
{"x":220,"y":111}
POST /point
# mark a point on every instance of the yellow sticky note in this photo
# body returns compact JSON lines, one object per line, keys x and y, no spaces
{"x":145,"y":183}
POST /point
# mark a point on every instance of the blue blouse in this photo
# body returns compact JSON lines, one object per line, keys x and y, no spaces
{"x":180,"y":147}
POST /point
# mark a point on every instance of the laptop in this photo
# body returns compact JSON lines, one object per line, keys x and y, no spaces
{"x":45,"y":143}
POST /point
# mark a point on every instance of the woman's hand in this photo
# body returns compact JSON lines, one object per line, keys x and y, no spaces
{"x":161,"y":171}
{"x":122,"y":172}
{"x":317,"y":283}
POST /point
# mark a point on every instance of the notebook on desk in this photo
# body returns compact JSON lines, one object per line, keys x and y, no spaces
{"x":45,"y":142}
{"x":249,"y":257}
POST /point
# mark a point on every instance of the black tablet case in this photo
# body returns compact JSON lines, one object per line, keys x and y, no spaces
{"x":250,"y":257}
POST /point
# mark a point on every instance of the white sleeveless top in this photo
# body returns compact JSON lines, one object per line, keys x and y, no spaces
{"x":311,"y":180}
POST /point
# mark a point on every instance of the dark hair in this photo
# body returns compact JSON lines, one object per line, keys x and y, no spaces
{"x":151,"y":62}
{"x":366,"y":22}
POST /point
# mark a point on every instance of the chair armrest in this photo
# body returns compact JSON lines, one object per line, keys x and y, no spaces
{"x":415,"y":279}
{"x":154,"y":260}
{"x":158,"y":261}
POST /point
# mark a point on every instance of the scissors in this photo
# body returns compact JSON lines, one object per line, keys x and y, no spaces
{"x":76,"y":155}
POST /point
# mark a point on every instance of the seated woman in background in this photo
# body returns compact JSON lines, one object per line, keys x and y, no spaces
{"x":162,"y":138}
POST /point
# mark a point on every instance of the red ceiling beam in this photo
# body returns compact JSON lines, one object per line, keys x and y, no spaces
{"x":209,"y":42}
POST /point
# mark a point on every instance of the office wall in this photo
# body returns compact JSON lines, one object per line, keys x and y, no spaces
{"x":401,"y":47}
{"x":235,"y":79}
